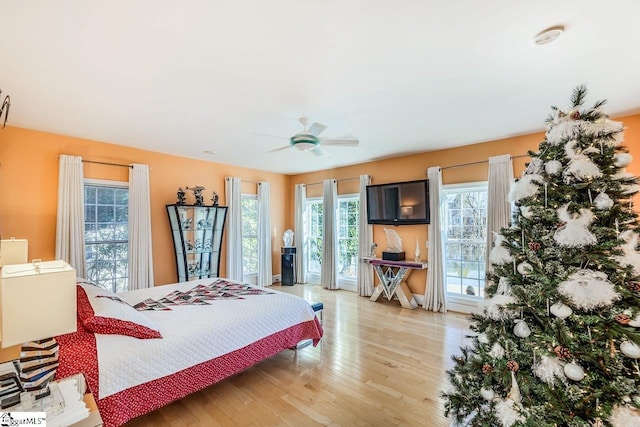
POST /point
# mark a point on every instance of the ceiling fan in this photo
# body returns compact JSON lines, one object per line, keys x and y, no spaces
{"x":308,"y":140}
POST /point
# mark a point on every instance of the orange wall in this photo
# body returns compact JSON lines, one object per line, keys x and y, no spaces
{"x":29,"y":186}
{"x":29,"y":176}
{"x":414,"y":166}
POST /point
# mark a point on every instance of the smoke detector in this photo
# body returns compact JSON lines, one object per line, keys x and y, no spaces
{"x":549,"y":35}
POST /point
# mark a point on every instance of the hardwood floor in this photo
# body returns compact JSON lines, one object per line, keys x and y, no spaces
{"x":377,"y":365}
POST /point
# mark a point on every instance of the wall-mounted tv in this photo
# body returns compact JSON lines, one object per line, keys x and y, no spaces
{"x":398,"y":203}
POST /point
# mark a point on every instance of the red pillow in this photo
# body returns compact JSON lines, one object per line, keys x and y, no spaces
{"x":103,"y":312}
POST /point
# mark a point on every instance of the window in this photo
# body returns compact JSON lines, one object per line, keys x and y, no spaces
{"x":314,"y":234}
{"x":249,"y":234}
{"x":106,"y":217}
{"x":465,"y":214}
{"x":347,"y":222}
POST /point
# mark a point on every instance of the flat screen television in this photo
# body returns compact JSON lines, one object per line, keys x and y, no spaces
{"x":398,"y":203}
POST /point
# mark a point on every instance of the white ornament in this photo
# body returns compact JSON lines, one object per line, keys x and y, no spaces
{"x":548,"y":369}
{"x":630,"y":256}
{"x":629,"y":188}
{"x":417,"y":255}
{"x":588,"y":289}
{"x":574,"y":372}
{"x":561,"y":310}
{"x":580,"y":166}
{"x":527,"y":186}
{"x":575,"y":232}
{"x":630,"y":349}
{"x":499,"y":254}
{"x":495,"y":307}
{"x":622,"y":160}
{"x":483,"y":338}
{"x":608,"y":130}
{"x":624,"y":416}
{"x":603,"y":202}
{"x":524,"y":268}
{"x":487,"y":393}
{"x":514,"y":393}
{"x":504,"y":286}
{"x":622,"y":174}
{"x":562,"y":129}
{"x":553,"y":167}
{"x":526,"y":212}
{"x":534,"y":167}
{"x":635,"y":322}
{"x":497,"y":351}
{"x":507,"y":411}
{"x":394,"y":242}
{"x":521,"y":329}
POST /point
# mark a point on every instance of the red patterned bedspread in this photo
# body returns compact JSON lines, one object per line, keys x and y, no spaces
{"x":78,"y":355}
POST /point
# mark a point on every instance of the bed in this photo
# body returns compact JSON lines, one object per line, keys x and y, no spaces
{"x":140,"y":350}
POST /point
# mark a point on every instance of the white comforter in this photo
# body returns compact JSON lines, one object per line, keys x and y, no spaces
{"x":192,"y":334}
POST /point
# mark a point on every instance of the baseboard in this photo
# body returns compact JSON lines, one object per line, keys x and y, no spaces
{"x":276,"y":278}
{"x":462,"y":306}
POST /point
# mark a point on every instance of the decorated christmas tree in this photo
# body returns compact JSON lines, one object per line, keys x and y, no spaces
{"x":556,"y":343}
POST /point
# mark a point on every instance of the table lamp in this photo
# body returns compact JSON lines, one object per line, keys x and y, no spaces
{"x":13,"y":251}
{"x":37,"y":302}
{"x":406,"y":211}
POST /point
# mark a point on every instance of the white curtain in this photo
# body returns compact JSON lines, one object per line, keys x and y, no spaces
{"x":299,"y":234}
{"x":70,"y":216}
{"x":435,"y":297}
{"x":498,"y":205}
{"x":233,"y":196}
{"x":265,"y":277}
{"x":140,"y":252}
{"x":365,"y":240}
{"x":329,"y":271}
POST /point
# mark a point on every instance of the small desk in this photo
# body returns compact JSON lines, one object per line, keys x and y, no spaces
{"x":392,"y":276}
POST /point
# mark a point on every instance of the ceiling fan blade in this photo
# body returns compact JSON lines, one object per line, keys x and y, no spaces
{"x":316,"y":128}
{"x":319,"y":152}
{"x":279,"y":148}
{"x":348,"y":142}
{"x":271,"y":136}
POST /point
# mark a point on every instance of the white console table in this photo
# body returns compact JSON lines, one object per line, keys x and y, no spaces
{"x":392,"y":276}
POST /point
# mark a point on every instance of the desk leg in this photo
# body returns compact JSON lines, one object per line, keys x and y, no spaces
{"x":377,"y":292}
{"x":380,"y":289}
{"x":405,"y":296}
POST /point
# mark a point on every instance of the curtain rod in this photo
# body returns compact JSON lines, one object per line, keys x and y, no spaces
{"x":338,"y":180}
{"x":107,"y":164}
{"x":478,"y":162}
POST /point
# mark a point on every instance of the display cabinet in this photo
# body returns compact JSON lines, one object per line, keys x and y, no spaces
{"x":197,"y":239}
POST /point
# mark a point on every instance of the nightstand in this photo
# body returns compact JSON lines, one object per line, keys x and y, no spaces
{"x":94,"y":419}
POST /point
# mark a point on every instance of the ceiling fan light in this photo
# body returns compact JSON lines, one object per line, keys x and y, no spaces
{"x":304,"y":142}
{"x":305,"y":146}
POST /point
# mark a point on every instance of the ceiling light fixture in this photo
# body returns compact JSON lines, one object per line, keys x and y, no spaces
{"x":304,"y":142}
{"x":5,"y":104}
{"x":549,"y":35}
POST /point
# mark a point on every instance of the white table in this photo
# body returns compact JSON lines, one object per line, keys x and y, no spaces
{"x":392,"y":276}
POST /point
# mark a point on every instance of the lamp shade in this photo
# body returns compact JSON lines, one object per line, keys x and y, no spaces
{"x":406,"y":210}
{"x":13,"y":251}
{"x":37,"y":301}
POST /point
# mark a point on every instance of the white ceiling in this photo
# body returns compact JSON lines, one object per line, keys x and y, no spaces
{"x":407,"y":76}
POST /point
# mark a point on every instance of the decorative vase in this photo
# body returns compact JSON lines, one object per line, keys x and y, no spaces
{"x":417,"y":250}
